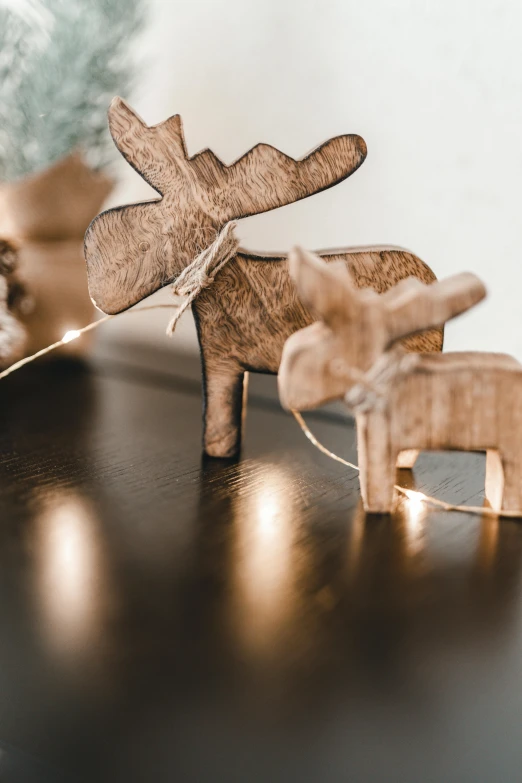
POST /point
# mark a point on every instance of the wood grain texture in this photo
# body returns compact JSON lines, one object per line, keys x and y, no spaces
{"x":404,"y":403}
{"x":245,"y":317}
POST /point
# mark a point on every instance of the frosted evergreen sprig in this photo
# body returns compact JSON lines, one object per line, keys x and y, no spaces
{"x":60,"y":66}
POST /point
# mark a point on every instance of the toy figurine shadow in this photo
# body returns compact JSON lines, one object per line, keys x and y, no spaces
{"x":244,"y":318}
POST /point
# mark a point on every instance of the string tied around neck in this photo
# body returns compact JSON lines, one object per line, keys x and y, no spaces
{"x":201,"y":272}
{"x":371,"y":388}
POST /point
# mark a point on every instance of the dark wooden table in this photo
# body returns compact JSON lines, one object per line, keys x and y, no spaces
{"x":168,"y":618}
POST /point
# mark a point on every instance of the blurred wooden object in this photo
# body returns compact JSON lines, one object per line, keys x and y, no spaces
{"x":46,"y":215}
{"x":244,"y":317}
{"x":13,"y":336}
{"x":404,"y":402}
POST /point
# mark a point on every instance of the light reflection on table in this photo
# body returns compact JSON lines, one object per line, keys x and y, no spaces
{"x":70,"y":574}
{"x":265,"y":559}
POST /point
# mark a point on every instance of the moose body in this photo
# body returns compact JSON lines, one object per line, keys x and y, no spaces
{"x":404,"y":402}
{"x":245,"y":316}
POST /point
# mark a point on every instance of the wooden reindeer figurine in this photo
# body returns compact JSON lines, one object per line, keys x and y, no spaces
{"x":463,"y":401}
{"x":245,"y":316}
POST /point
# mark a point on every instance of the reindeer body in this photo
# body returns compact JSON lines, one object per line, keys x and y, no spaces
{"x":403,"y":402}
{"x":452,"y":401}
{"x":244,"y":318}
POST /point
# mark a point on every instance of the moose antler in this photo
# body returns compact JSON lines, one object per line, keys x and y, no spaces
{"x":260,"y":180}
{"x":157,"y":152}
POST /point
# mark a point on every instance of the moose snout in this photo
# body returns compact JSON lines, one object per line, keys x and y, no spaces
{"x":361,"y":146}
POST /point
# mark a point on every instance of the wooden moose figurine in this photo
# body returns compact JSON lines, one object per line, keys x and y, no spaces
{"x":403,"y":402}
{"x":245,"y":316}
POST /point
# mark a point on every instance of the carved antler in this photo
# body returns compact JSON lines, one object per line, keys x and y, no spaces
{"x":357,"y":326}
{"x":157,"y":152}
{"x":327,"y":289}
{"x":413,"y":307}
{"x":262,"y":179}
{"x":408,"y":308}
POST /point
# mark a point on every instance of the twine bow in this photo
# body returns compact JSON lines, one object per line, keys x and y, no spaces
{"x":370,"y":390}
{"x":201,"y":272}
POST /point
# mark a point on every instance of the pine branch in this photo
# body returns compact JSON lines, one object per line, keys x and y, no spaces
{"x":57,"y":80}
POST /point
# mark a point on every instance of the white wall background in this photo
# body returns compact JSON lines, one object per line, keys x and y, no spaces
{"x":435,"y":88}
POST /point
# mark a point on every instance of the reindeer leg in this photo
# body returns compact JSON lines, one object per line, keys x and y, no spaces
{"x":377,"y":462}
{"x":512,"y":495}
{"x":224,"y":388}
{"x":494,"y":484}
{"x":407,"y":459}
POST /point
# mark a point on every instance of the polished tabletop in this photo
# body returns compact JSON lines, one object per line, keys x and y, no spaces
{"x":165,"y":617}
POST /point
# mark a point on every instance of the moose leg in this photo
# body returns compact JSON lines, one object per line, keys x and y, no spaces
{"x":377,"y":463}
{"x":223,"y":389}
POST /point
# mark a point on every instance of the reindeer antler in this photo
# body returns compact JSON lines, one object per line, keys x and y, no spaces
{"x":408,"y":308}
{"x":326,"y":289}
{"x":260,"y":180}
{"x":412,"y":306}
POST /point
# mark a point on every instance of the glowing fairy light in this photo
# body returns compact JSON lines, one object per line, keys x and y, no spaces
{"x":72,"y":334}
{"x":416,"y":498}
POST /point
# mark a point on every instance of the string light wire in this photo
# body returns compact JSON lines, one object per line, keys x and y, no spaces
{"x":73,"y":334}
{"x":410,"y":494}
